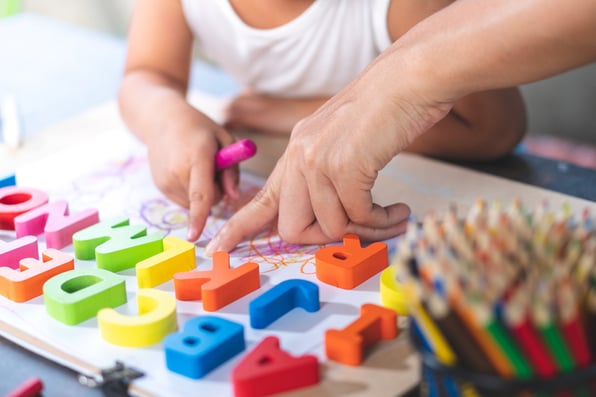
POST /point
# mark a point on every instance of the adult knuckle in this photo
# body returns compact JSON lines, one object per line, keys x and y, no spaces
{"x":335,"y":232}
{"x":289,"y":234}
{"x":264,"y":198}
{"x":359,"y":217}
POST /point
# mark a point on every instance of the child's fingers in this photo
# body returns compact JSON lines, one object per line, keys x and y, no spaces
{"x":251,"y":219}
{"x":229,"y":179}
{"x":175,"y":191}
{"x":200,"y":198}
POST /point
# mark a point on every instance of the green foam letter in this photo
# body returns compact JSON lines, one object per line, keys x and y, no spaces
{"x":77,"y":295}
{"x":115,"y":244}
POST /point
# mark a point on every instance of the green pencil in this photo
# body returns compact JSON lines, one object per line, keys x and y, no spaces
{"x":503,"y":340}
{"x":547,"y":327}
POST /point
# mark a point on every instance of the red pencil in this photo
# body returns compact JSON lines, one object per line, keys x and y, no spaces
{"x":571,"y":325}
{"x":519,"y":323}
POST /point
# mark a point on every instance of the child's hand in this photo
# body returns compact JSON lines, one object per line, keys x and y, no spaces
{"x":269,"y":114}
{"x":182,"y":162}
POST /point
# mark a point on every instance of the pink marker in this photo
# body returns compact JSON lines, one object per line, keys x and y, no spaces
{"x":235,"y":153}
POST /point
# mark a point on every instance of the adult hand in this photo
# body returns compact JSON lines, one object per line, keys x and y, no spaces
{"x":321,"y":187}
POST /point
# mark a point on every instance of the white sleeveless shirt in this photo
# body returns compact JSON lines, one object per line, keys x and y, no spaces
{"x":316,"y":54}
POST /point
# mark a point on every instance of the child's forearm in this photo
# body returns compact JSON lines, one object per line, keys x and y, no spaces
{"x":149,"y":103}
{"x":482,"y":126}
{"x":269,"y":114}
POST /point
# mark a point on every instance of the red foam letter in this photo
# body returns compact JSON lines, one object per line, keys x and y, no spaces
{"x":16,"y":200}
{"x":269,"y":370}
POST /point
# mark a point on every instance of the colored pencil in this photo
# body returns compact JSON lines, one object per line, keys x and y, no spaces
{"x":518,"y":321}
{"x":496,"y":357}
{"x":505,"y":291}
{"x":439,"y":345}
{"x":546,"y":326}
{"x":590,"y":319}
{"x":502,"y":339}
{"x":571,"y":325}
{"x":458,"y":335}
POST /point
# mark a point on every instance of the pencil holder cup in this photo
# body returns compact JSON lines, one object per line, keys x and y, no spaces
{"x":440,"y":380}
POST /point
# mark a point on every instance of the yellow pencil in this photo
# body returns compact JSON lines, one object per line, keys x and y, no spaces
{"x":429,"y":329}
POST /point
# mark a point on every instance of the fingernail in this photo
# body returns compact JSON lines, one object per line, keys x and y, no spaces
{"x":212,"y":246}
{"x":235,"y":194}
{"x":192,"y":234}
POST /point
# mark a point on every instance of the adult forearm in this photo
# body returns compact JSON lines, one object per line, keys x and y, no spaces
{"x":477,"y":45}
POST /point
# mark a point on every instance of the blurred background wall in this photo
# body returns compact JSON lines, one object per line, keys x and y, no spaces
{"x":110,"y":16}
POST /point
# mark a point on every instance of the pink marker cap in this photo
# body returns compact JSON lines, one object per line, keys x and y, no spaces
{"x":235,"y":153}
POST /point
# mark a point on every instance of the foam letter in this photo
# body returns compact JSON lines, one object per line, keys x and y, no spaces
{"x":347,"y":346}
{"x":8,"y":180}
{"x":156,"y":319}
{"x":282,"y":298}
{"x":116,"y":245}
{"x":392,"y":291}
{"x":177,"y":256}
{"x":268,"y":370}
{"x":221,"y":285}
{"x":75,"y":296}
{"x":350,"y":265}
{"x":20,"y":286}
{"x":12,"y":252}
{"x":205,"y":343}
{"x":53,"y":219}
{"x":16,"y":200}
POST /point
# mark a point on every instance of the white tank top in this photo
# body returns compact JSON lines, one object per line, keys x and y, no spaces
{"x":316,"y":54}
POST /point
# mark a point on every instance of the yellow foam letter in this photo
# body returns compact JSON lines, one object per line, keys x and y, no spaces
{"x":156,"y":319}
{"x":177,"y":256}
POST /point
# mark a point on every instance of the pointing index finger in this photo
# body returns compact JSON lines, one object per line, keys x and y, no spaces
{"x":260,"y":212}
{"x":200,"y":197}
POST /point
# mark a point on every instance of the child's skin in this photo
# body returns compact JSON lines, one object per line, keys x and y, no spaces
{"x":182,"y":141}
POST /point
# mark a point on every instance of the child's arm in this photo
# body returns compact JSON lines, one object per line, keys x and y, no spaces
{"x":480,"y":126}
{"x":181,"y":141}
{"x":268,"y":114}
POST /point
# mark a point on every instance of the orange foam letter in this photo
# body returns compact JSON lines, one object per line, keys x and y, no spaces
{"x":347,"y":346}
{"x":20,"y":286}
{"x":350,"y":265}
{"x":221,"y":285}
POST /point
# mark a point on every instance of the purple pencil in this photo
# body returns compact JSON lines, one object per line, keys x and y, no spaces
{"x":235,"y":153}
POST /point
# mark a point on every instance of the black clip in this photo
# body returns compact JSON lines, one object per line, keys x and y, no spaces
{"x":113,"y":381}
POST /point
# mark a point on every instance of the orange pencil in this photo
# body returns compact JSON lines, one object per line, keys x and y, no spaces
{"x":465,"y":309}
